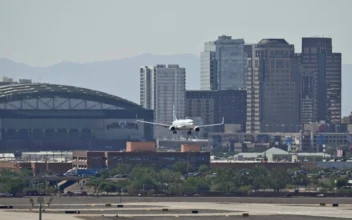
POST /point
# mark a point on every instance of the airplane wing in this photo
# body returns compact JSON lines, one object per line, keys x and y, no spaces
{"x":153,"y":123}
{"x":210,"y":125}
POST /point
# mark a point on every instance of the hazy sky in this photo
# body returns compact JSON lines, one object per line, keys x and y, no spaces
{"x":43,"y":32}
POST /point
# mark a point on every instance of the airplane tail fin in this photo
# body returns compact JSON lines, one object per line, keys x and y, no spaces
{"x":174,"y":112}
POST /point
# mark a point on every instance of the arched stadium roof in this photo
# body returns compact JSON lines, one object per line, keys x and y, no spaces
{"x":52,"y":96}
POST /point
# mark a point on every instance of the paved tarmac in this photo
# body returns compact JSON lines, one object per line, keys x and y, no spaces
{"x":181,"y":208}
{"x":147,"y":200}
{"x":276,"y":217}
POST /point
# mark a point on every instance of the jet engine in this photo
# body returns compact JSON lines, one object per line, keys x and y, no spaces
{"x":196,"y":129}
{"x":172,"y":128}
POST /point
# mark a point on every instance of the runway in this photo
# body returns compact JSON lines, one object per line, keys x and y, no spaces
{"x":177,"y":209}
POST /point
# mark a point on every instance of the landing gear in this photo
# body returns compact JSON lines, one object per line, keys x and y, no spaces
{"x":174,"y":132}
{"x":189,"y":132}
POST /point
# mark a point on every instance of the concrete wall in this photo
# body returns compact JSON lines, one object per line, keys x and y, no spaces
{"x":190,"y":148}
{"x":140,"y":146}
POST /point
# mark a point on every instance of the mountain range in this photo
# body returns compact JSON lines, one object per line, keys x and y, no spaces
{"x":121,"y":76}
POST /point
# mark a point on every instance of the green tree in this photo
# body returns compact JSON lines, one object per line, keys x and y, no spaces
{"x":180,"y":167}
{"x":140,"y":172}
{"x":278,"y":180}
{"x":4,"y":187}
{"x":187,"y":189}
{"x":107,"y":187}
{"x":175,"y":189}
{"x":245,"y":189}
{"x":300,"y":180}
{"x":259,"y":177}
{"x":198,"y":184}
{"x":341,"y":182}
{"x":121,"y":169}
{"x":94,"y":182}
{"x":122,"y":184}
{"x":26,"y":173}
{"x":15,"y":186}
{"x":104,"y":174}
{"x":203,"y":168}
{"x":169,"y":176}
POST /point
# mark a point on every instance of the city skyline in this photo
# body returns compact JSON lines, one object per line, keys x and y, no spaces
{"x":114,"y":68}
{"x":41,"y":33}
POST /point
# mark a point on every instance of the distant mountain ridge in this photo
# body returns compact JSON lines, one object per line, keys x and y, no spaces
{"x":121,"y":76}
{"x":118,"y":77}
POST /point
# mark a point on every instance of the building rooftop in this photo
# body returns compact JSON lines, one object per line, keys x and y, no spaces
{"x":17,"y":92}
{"x":273,"y":41}
{"x":275,"y":150}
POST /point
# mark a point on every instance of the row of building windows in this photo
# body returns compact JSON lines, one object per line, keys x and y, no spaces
{"x":146,"y":158}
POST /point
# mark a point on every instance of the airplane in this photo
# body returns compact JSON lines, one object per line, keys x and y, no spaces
{"x":182,"y":124}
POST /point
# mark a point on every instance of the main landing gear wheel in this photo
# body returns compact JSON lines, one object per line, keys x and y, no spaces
{"x":189,"y":132}
{"x":174,"y":132}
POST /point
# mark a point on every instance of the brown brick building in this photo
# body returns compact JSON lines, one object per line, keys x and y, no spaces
{"x":110,"y":159}
{"x":139,"y":153}
{"x":36,"y":167}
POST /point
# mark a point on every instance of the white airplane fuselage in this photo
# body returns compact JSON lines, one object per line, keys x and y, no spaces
{"x":183,"y":124}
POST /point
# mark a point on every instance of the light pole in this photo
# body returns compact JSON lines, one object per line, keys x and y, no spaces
{"x":40,"y":201}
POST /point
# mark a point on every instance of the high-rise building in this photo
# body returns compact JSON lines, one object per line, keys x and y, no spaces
{"x":317,"y":57}
{"x":208,"y":79}
{"x":223,"y":64}
{"x":162,"y":88}
{"x":232,"y":105}
{"x":212,"y":106}
{"x":253,"y":91}
{"x":347,"y":119}
{"x":201,"y":104}
{"x":308,"y":97}
{"x":273,"y":85}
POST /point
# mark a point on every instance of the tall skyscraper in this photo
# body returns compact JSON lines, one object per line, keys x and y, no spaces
{"x":201,"y":104}
{"x":208,"y":80}
{"x":317,"y":57}
{"x":309,"y":106}
{"x":162,"y":88}
{"x":273,"y":86}
{"x":223,"y":64}
{"x":212,"y":106}
{"x":254,"y":89}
